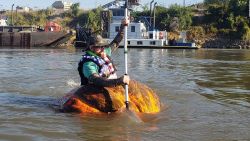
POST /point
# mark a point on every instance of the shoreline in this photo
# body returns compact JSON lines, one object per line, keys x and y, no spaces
{"x":222,"y":42}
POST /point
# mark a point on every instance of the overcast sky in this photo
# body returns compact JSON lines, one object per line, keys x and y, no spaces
{"x":85,"y":4}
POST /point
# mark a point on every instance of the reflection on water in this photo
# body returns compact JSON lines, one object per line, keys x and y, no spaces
{"x":226,"y":77}
{"x":205,"y":95}
{"x":217,"y":74}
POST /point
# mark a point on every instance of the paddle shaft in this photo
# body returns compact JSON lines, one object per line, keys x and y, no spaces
{"x":126,"y":53}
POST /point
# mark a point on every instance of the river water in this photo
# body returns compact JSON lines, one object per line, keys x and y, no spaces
{"x":205,"y":95}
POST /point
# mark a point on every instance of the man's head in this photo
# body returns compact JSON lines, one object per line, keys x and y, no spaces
{"x":97,"y":40}
{"x":97,"y":44}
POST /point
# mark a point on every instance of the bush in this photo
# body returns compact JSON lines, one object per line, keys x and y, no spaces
{"x":242,"y":28}
{"x":224,"y":31}
{"x":213,"y":29}
{"x":246,"y":35}
{"x":195,"y":32}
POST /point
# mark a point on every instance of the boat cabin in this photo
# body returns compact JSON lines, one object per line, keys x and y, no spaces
{"x":138,"y":31}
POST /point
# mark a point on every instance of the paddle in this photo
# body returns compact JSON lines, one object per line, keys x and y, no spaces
{"x":131,"y":114}
{"x":126,"y":53}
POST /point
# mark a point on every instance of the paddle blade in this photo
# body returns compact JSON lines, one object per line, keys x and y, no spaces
{"x":133,"y":116}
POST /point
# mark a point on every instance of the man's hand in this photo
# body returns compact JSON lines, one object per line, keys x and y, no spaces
{"x":125,"y":22}
{"x":126,"y":79}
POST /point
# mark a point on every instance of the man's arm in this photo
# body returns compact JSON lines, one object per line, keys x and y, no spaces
{"x":105,"y":82}
{"x":118,"y":38}
{"x":90,"y":71}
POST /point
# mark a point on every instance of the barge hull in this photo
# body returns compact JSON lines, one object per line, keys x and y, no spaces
{"x":29,"y":39}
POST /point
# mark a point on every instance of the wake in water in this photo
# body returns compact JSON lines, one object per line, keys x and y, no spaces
{"x":72,"y":83}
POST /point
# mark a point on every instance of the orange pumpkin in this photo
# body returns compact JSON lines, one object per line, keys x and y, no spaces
{"x":90,"y":99}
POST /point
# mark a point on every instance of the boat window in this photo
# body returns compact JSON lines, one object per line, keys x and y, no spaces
{"x":117,"y":12}
{"x":150,"y":36}
{"x":139,"y":42}
{"x":117,"y":28}
{"x":132,"y":28}
{"x":128,"y":42}
{"x":152,"y":42}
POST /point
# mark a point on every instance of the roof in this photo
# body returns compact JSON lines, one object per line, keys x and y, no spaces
{"x":51,"y":24}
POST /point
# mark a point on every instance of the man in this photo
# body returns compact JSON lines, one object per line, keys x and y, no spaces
{"x":96,"y":66}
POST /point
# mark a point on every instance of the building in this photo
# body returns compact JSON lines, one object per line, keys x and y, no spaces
{"x":52,"y":27}
{"x":62,"y":5}
{"x":3,"y":18}
{"x":3,"y":22}
{"x":22,"y":9}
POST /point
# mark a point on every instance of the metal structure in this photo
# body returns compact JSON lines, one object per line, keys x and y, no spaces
{"x":154,"y":14}
{"x":150,"y":12}
{"x":12,"y":18}
{"x":113,"y":3}
{"x":249,"y":8}
{"x":119,"y":3}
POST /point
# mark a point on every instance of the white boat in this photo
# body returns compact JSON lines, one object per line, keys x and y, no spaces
{"x":139,"y":35}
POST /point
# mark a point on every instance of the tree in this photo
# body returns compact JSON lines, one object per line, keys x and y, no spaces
{"x":239,"y":7}
{"x":48,"y":11}
{"x":242,"y":28}
{"x":75,"y":9}
{"x":216,"y":2}
{"x":162,"y":18}
{"x":20,"y":20}
{"x":94,"y":19}
{"x":176,"y":13}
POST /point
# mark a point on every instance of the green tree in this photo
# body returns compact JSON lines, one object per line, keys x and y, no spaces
{"x":218,"y":14}
{"x":83,"y":19}
{"x":183,"y":14}
{"x":239,"y":7}
{"x":162,"y":18}
{"x":217,"y":2}
{"x":75,"y":9}
{"x":242,"y":28}
{"x":230,"y":21}
{"x":20,"y":20}
{"x":48,"y":11}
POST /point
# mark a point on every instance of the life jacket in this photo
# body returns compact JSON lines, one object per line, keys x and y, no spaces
{"x":106,"y":66}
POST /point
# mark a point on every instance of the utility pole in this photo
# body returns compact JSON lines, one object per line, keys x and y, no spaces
{"x":12,"y":15}
{"x":154,"y":15}
{"x":151,"y":7}
{"x":150,"y":13}
{"x":16,"y":16}
{"x":184,"y":3}
{"x":249,"y":8}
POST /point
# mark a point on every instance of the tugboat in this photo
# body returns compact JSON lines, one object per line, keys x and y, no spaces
{"x":141,"y":32}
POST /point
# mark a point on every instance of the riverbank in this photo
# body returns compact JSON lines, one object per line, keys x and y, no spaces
{"x":220,"y":42}
{"x":205,"y":40}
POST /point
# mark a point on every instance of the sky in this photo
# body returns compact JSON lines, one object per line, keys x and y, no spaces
{"x":85,"y":4}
